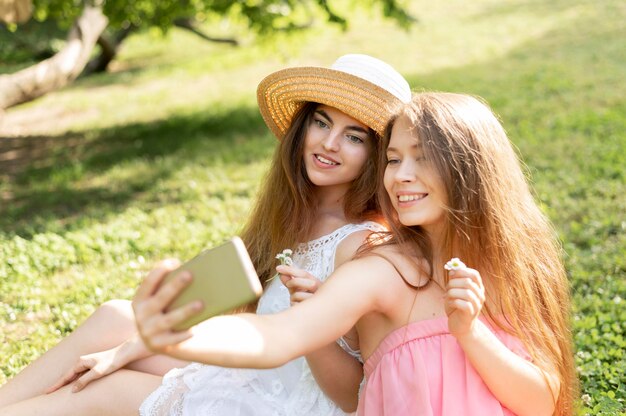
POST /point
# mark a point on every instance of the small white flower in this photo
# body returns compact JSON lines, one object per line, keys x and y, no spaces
{"x":285,"y":257}
{"x":454,"y":264}
{"x":586,"y":399}
{"x":285,"y":260}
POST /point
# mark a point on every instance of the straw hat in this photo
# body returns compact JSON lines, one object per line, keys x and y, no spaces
{"x":363,"y":87}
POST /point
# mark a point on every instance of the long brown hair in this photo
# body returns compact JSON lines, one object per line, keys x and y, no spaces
{"x":494,"y":225}
{"x":286,"y":209}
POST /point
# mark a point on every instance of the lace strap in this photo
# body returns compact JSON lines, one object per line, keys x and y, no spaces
{"x":342,"y":232}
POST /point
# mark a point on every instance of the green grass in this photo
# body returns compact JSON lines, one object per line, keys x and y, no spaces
{"x":162,"y":156}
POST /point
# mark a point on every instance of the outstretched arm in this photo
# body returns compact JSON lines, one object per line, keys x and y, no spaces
{"x":337,"y":373}
{"x":252,"y":341}
{"x":518,"y":384}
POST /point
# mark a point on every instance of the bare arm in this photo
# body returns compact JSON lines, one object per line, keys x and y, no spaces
{"x":511,"y":378}
{"x":252,"y":341}
{"x":338,"y":373}
{"x":518,"y":384}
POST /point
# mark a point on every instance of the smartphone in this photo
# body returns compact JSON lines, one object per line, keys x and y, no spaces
{"x":224,"y":278}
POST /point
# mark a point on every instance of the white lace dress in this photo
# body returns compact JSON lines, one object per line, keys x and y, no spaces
{"x":289,"y":390}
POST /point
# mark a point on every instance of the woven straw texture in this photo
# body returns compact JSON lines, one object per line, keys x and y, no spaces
{"x":282,"y":93}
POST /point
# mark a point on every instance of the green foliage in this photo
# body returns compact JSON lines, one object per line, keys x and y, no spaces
{"x":32,"y":42}
{"x":262,"y":16}
{"x":44,"y":34}
{"x":162,"y":156}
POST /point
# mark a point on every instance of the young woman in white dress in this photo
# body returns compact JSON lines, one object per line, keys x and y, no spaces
{"x":317,"y":199}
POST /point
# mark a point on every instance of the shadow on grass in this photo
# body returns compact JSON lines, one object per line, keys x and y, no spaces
{"x":47,"y":175}
{"x":561,"y":98}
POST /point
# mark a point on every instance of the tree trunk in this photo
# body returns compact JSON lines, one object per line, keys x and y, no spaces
{"x":108,"y":51}
{"x":59,"y":70}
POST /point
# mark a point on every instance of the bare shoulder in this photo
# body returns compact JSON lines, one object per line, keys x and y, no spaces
{"x":349,"y":246}
{"x":411,"y":269}
{"x":371,"y":277}
{"x":376,"y":276}
{"x":380,"y":265}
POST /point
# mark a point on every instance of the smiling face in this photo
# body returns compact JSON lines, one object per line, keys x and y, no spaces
{"x":336,"y":148}
{"x":414,"y":187}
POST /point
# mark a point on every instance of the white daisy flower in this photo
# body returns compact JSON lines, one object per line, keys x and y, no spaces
{"x":285,"y":257}
{"x":454,"y":264}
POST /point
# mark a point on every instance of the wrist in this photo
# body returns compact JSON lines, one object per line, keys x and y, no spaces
{"x":474,"y":334}
{"x":132,"y":349}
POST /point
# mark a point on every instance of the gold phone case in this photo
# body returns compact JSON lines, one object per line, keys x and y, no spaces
{"x":223,"y":279}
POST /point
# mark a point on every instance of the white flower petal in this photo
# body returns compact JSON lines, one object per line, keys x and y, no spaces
{"x":454,"y":264}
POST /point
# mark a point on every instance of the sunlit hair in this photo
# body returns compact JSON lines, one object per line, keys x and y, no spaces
{"x":286,"y":207}
{"x":494,"y":225}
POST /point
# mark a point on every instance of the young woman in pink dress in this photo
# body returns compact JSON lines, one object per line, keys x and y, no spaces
{"x":438,"y":337}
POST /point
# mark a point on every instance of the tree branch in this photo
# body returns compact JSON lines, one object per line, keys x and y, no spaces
{"x":108,"y":51}
{"x":59,"y":70}
{"x":188,"y":24}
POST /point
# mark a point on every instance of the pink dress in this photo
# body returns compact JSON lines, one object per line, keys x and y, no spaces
{"x":420,"y":370}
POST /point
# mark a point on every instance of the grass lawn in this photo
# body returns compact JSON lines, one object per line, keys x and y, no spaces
{"x":162,"y":156}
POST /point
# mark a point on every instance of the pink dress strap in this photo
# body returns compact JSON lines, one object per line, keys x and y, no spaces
{"x":420,"y":370}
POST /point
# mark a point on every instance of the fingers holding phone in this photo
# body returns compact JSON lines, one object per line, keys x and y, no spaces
{"x":154,"y":323}
{"x":174,"y":297}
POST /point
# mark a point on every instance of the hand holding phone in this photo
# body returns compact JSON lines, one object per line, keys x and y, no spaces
{"x":224,"y":278}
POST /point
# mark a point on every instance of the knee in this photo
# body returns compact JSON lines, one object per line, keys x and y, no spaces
{"x":117,"y":309}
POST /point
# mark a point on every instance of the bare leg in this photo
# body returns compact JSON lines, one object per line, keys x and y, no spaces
{"x":120,"y":393}
{"x":107,"y":327}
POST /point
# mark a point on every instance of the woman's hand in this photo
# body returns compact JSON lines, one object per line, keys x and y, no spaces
{"x":301,"y":284}
{"x":464,"y":299}
{"x":154,"y":324}
{"x":90,"y":367}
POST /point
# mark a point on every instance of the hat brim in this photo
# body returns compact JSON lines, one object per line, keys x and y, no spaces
{"x":282,"y":93}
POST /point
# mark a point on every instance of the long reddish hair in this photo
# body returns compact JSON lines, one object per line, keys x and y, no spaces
{"x":286,"y":209}
{"x":494,"y":225}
